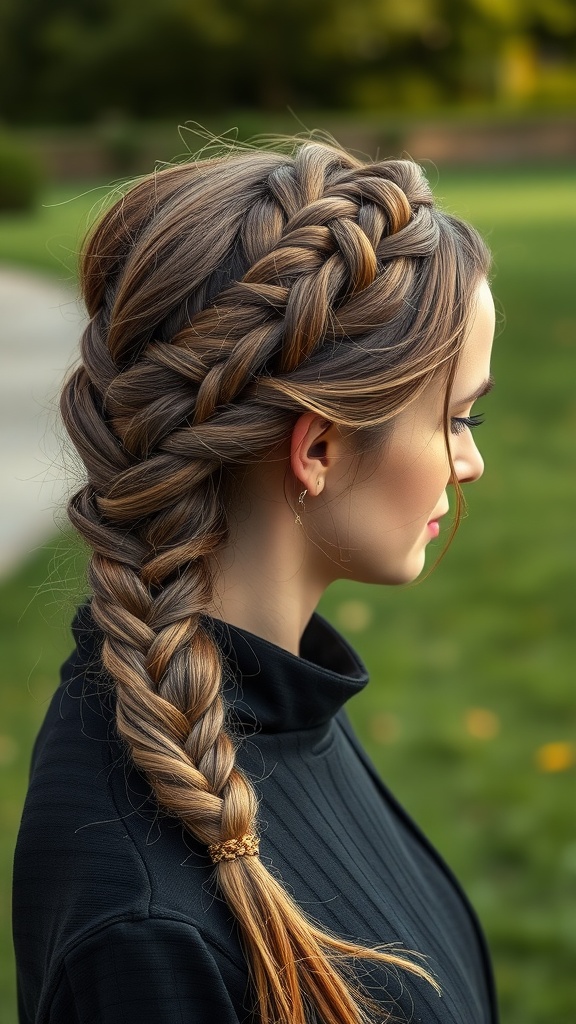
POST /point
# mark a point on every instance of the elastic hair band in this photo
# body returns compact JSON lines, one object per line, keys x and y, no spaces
{"x":246,"y":846}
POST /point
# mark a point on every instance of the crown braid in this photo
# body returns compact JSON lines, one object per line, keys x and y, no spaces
{"x":224,"y":298}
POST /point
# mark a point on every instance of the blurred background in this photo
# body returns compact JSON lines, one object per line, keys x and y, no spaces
{"x":470,"y":714}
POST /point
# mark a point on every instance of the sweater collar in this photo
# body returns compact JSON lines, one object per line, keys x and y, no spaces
{"x":271,"y":688}
{"x":265,"y":686}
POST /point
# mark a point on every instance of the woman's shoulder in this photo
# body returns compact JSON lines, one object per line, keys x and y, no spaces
{"x":136,"y":969}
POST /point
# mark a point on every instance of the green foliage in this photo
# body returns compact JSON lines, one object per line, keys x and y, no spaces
{"x":20,"y":176}
{"x":70,"y":61}
{"x":470,"y":711}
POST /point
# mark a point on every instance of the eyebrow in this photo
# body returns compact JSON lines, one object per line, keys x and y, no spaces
{"x":484,"y":389}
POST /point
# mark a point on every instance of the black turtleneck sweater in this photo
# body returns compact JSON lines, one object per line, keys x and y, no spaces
{"x":116,"y":920}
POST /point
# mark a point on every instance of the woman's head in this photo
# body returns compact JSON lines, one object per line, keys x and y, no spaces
{"x":250,"y":315}
{"x":238,"y":293}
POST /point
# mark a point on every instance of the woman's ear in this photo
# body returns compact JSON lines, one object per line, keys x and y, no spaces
{"x":315,"y":442}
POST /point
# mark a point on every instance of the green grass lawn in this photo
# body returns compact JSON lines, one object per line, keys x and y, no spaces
{"x":50,"y":238}
{"x":470,"y":714}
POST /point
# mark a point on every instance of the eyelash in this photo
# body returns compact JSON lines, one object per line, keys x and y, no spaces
{"x":460,"y":423}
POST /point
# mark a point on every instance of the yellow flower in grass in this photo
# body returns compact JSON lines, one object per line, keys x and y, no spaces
{"x":384,"y":727}
{"x":556,"y":757}
{"x":8,"y":750}
{"x":481,"y":723}
{"x":354,"y":615}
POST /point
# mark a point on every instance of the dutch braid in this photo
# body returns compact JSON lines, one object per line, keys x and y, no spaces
{"x":224,"y":298}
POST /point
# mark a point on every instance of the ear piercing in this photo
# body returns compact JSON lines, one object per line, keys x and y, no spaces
{"x":302,"y":495}
{"x":302,"y":505}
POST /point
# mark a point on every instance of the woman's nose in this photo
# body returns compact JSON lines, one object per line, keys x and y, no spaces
{"x":468,"y":463}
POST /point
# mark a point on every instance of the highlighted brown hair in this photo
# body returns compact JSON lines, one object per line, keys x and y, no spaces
{"x":227,"y":296}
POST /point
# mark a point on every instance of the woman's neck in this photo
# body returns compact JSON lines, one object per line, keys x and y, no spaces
{"x":264,"y":579}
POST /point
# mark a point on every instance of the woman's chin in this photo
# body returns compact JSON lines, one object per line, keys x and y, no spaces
{"x":391,"y":575}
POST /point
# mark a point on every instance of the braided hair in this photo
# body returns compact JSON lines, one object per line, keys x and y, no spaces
{"x":225,"y":297}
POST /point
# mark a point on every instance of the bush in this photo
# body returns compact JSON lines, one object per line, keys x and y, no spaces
{"x":20,"y":176}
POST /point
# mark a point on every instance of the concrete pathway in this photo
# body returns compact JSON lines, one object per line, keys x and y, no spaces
{"x":40,"y":323}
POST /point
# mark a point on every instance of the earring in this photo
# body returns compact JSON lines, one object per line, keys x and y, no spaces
{"x":301,"y":503}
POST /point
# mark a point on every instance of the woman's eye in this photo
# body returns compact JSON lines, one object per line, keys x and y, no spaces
{"x":460,"y":423}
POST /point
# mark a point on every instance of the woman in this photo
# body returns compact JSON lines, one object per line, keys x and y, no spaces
{"x":275,"y":392}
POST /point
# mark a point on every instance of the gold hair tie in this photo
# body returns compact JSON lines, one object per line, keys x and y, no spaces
{"x":246,"y":846}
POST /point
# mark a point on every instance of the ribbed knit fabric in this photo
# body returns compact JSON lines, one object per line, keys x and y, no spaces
{"x":115,"y":916}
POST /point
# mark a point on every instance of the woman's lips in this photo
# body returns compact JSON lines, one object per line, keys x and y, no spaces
{"x":434,"y":524}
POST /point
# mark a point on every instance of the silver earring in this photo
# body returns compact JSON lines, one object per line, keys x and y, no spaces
{"x":301,"y":503}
